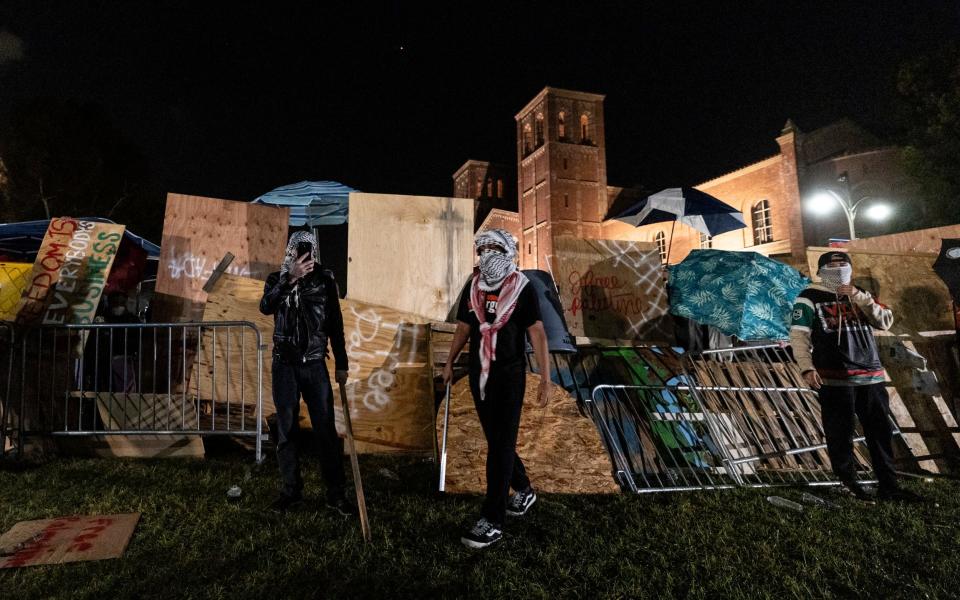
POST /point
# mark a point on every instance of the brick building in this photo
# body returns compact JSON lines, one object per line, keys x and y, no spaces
{"x":562,"y":185}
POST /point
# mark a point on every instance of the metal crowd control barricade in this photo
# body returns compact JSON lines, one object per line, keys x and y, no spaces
{"x":9,"y":423}
{"x":714,"y":420}
{"x":170,"y":379}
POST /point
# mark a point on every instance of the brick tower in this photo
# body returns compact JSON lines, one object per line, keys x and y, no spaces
{"x":561,"y":171}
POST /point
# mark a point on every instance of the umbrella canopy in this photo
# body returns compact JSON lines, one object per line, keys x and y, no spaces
{"x":947,"y":266}
{"x":689,"y":206}
{"x":740,"y":293}
{"x":311,"y":203}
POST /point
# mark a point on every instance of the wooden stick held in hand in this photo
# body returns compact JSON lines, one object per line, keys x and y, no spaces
{"x":355,"y":463}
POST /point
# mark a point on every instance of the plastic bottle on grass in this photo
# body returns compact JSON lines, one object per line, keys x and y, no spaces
{"x":784,"y":503}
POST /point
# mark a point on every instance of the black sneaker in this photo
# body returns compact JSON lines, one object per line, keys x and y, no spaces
{"x":342,"y":506}
{"x":520,"y":503}
{"x":858,"y":491}
{"x":483,"y":534}
{"x":899,"y":494}
{"x":286,"y":502}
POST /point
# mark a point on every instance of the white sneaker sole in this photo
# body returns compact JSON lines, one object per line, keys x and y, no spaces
{"x":525,"y":511}
{"x":477,"y":545}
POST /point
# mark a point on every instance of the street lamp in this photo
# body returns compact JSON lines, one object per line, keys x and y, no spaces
{"x":824,"y":201}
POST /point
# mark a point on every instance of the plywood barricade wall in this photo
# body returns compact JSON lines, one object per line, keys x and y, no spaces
{"x":410,"y":253}
{"x":391,"y":372}
{"x":922,"y":311}
{"x":197,"y":233}
{"x":611,"y":289}
{"x":560,"y":448}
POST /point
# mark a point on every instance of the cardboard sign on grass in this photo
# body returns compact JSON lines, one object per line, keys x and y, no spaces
{"x":66,"y":539}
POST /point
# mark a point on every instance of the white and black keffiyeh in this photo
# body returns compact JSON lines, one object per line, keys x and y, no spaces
{"x":291,"y":254}
{"x":495,"y":267}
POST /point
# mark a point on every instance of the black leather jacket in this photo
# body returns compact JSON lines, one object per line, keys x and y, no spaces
{"x":305,"y":315}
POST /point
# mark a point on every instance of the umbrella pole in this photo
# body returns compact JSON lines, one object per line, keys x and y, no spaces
{"x":670,"y":243}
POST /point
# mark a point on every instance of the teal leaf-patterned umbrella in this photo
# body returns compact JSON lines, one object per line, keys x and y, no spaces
{"x":740,"y":293}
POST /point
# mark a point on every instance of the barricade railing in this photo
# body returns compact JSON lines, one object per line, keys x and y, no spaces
{"x":7,"y":420}
{"x":718,"y":419}
{"x":170,"y":379}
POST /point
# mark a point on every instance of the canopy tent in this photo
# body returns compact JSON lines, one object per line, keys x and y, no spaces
{"x":136,"y":261}
{"x":20,"y":241}
{"x":311,"y":203}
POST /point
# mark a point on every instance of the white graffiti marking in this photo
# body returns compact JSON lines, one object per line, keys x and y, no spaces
{"x":369,"y":325}
{"x":191,"y":266}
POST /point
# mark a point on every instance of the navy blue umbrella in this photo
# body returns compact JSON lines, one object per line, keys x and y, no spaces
{"x":690,"y":206}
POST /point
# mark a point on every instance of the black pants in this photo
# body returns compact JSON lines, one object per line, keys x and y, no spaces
{"x":499,"y":414}
{"x":871,"y":404}
{"x":312,"y":381}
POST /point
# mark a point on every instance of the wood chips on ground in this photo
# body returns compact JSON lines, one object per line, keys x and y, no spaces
{"x":560,"y":448}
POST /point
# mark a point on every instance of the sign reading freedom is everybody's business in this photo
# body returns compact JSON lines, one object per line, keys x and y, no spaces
{"x":70,"y":272}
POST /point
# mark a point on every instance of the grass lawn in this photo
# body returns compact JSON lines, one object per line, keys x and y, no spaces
{"x":192,"y":542}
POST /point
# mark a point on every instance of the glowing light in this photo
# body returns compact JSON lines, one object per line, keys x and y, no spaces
{"x":879,"y":212}
{"x":822,"y":203}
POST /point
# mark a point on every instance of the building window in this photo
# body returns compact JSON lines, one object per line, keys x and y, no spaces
{"x":706,"y":241}
{"x":761,"y":222}
{"x":566,"y":201}
{"x":499,"y":188}
{"x":527,"y":139}
{"x":584,"y":128}
{"x":529,"y":248}
{"x":479,"y":189}
{"x":489,"y":188}
{"x":562,"y":125}
{"x":564,"y":164}
{"x":539,"y":129}
{"x":661,"y":240}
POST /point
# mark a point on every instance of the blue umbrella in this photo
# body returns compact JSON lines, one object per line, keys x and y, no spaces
{"x":744,"y":294}
{"x":690,"y":206}
{"x":311,"y":203}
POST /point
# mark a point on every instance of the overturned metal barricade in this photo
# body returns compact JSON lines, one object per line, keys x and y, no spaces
{"x":719,"y":419}
{"x":167,"y":379}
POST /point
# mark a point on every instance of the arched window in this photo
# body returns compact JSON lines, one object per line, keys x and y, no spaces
{"x":706,"y":241}
{"x":527,"y":139}
{"x":761,"y":222}
{"x":562,"y":125}
{"x":539,"y":129}
{"x":584,"y":128}
{"x":661,"y":240}
{"x":499,"y":188}
{"x":489,"y":188}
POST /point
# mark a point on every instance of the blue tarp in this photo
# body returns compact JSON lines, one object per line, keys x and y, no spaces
{"x":311,"y":203}
{"x":21,"y":241}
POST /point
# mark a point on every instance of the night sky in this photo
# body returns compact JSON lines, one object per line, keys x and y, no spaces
{"x":392,"y":97}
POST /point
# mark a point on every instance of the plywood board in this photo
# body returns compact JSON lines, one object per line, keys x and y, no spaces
{"x":560,"y":448}
{"x":611,"y":289}
{"x":66,"y":539}
{"x":409,"y":253}
{"x":390,"y":385}
{"x":198,"y":231}
{"x":935,"y":425}
{"x":906,"y":283}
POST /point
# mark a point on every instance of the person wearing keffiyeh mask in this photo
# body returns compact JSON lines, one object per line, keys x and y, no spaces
{"x":302,"y":297}
{"x":833,"y":344}
{"x":497,"y":310}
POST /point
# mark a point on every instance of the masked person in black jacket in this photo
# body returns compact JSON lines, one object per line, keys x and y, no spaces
{"x":303,"y":299}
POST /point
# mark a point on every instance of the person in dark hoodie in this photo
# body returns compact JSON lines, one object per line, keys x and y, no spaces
{"x":833,"y":343}
{"x":302,"y":297}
